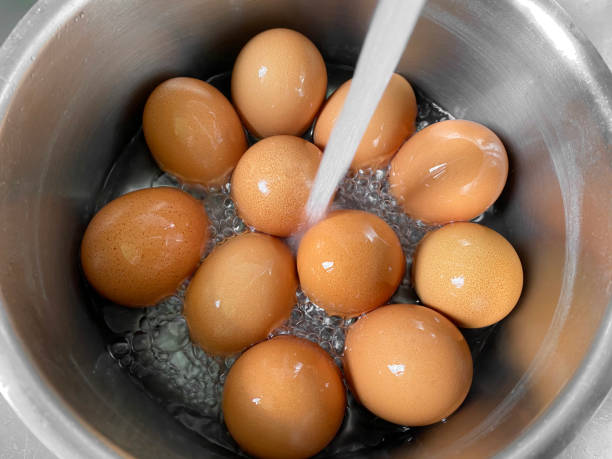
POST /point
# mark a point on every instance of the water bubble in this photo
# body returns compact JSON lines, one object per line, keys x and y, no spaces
{"x":126,"y":361}
{"x":119,"y":349}
{"x":140,"y":342}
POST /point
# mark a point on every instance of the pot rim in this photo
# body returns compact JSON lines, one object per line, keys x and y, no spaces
{"x":67,"y":435}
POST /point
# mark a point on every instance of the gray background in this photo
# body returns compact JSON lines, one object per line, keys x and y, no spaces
{"x":594,"y":17}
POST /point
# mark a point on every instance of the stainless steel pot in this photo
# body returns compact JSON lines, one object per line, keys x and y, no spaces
{"x":73,"y":79}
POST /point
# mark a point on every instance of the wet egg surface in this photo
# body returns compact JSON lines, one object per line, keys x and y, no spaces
{"x":350,"y":262}
{"x":407,"y":364}
{"x":392,"y":123}
{"x":193,"y":131}
{"x":140,"y":247}
{"x":468,"y":272}
{"x":242,"y":291}
{"x":272,"y":182}
{"x":284,"y":398}
{"x":278,"y":83}
{"x":450,"y":171}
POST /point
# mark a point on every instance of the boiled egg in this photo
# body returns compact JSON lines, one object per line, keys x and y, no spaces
{"x":284,"y":399}
{"x":468,"y":272}
{"x":350,"y":262}
{"x":392,"y":123}
{"x":450,"y":171}
{"x":141,"y":246}
{"x":278,"y":83}
{"x":272,"y":182}
{"x":242,"y":291}
{"x":407,"y":364}
{"x":193,"y":131}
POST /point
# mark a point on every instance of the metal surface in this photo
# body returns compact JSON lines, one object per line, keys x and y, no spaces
{"x":534,"y":79}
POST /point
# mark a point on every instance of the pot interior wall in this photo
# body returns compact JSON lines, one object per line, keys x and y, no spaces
{"x":81,"y":101}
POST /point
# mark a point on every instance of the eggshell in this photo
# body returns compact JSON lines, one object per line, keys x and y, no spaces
{"x":242,"y":291}
{"x":272,"y":182}
{"x":193,"y":131}
{"x":349,"y":263}
{"x":392,"y":123}
{"x":468,"y":272}
{"x":450,"y":171}
{"x":278,"y":83}
{"x":407,"y":364}
{"x":140,"y":247}
{"x":283,"y":398}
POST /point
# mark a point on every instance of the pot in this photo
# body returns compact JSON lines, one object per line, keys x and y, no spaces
{"x":74,"y":76}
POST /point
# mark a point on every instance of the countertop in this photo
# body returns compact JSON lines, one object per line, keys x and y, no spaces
{"x":594,"y":441}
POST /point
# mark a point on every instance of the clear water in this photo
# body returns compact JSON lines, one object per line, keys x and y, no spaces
{"x":152,"y":344}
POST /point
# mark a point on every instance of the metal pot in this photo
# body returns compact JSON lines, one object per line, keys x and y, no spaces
{"x":74,"y":76}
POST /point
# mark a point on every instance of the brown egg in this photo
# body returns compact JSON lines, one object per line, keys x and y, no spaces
{"x":468,"y":272}
{"x":278,"y":83}
{"x":140,"y":247}
{"x":407,"y":364}
{"x":392,"y":123}
{"x":242,"y":291}
{"x":193,"y":131}
{"x":350,"y":263}
{"x":450,"y":171}
{"x":283,"y":398}
{"x":272,"y":182}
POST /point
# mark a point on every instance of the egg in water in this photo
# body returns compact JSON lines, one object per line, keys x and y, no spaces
{"x":272,"y":182}
{"x":284,"y":399}
{"x":468,"y":272}
{"x":450,"y":171}
{"x":278,"y":83}
{"x":407,"y":364}
{"x":193,"y":131}
{"x":392,"y":123}
{"x":141,"y":246}
{"x":350,"y":262}
{"x":242,"y":291}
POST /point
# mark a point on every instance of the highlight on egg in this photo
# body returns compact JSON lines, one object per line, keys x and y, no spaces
{"x":242,"y":291}
{"x":350,"y":263}
{"x":193,"y":131}
{"x":407,"y":364}
{"x":392,"y":123}
{"x":468,"y":272}
{"x":450,"y":171}
{"x":278,"y":83}
{"x":284,"y":398}
{"x":272,"y":182}
{"x":141,"y":246}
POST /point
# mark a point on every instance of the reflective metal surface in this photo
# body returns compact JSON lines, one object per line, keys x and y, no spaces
{"x":73,"y":79}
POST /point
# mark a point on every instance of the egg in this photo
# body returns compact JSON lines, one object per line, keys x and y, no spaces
{"x":193,"y":131}
{"x":283,"y":398}
{"x":392,"y":122}
{"x":349,"y":263}
{"x":407,"y":364}
{"x":141,"y":246}
{"x":242,"y":291}
{"x":278,"y":83}
{"x":450,"y":171}
{"x":468,"y":272}
{"x":272,"y":182}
